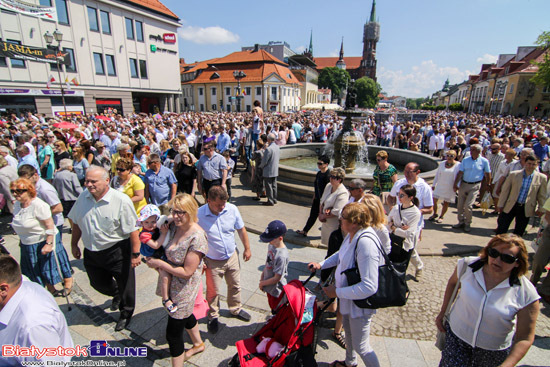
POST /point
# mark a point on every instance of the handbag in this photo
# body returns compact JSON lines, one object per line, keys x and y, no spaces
{"x":392,"y":285}
{"x":441,"y":335}
{"x":399,"y":256}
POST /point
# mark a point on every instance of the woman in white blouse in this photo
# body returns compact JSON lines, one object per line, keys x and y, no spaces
{"x":443,"y":184}
{"x":403,"y":222}
{"x":492,"y":321}
{"x":362,"y":247}
{"x":33,"y":223}
{"x":334,"y":197}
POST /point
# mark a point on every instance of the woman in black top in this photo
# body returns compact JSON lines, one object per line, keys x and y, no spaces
{"x":60,"y":152}
{"x":186,"y":174}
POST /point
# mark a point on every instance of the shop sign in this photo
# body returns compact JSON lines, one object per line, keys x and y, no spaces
{"x":59,"y":111}
{"x":22,"y":52}
{"x":44,"y":12}
{"x":169,"y":37}
{"x":39,"y":92}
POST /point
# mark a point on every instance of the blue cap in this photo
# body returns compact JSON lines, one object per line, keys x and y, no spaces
{"x":274,"y":229}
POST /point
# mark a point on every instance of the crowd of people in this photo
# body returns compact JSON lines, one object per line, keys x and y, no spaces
{"x":128,"y":186}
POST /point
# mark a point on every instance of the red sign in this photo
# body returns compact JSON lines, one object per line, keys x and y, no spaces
{"x":169,"y":37}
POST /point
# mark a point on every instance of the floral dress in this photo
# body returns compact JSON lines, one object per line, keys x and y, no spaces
{"x":183,"y":292}
{"x":385,"y":179}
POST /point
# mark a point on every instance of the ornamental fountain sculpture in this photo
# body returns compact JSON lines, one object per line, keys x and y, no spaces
{"x":349,"y":144}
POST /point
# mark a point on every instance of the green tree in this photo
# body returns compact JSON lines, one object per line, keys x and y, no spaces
{"x":367,"y":92}
{"x":411,"y":103}
{"x":335,"y":79}
{"x":542,"y":77}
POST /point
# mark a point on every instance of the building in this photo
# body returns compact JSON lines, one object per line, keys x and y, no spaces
{"x":235,"y":81}
{"x":118,"y":55}
{"x":280,"y":50}
{"x":324,"y":96}
{"x":304,"y":69}
{"x":358,"y":66}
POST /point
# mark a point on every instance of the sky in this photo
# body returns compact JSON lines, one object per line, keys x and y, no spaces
{"x":422,"y":42}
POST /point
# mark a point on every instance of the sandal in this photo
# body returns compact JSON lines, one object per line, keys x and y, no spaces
{"x":432,"y":218}
{"x":439,"y":220}
{"x":196,"y":349}
{"x":340,"y":339}
{"x":172,"y":307}
{"x":301,"y":233}
{"x":340,"y":364}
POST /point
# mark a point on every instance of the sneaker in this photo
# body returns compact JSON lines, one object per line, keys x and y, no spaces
{"x":458,"y":225}
{"x":467,"y":228}
{"x":243,"y":315}
{"x":213,"y":326}
{"x":418,"y":274}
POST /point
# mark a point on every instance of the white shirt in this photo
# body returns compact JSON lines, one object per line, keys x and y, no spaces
{"x":27,"y":222}
{"x":423,"y":194}
{"x":106,"y":222}
{"x":408,"y":216}
{"x":32,"y":317}
{"x":487,"y":319}
{"x":13,"y":162}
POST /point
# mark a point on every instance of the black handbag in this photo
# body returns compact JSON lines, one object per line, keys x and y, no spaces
{"x":392,"y":285}
{"x":398,"y":256}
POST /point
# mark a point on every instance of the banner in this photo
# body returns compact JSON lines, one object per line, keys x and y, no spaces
{"x":22,"y":52}
{"x":39,"y":92}
{"x":45,"y":12}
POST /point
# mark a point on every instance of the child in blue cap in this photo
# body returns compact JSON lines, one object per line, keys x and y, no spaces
{"x":274,"y":274}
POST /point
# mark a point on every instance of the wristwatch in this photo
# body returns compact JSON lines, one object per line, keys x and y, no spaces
{"x":135,"y":255}
{"x":48,"y":243}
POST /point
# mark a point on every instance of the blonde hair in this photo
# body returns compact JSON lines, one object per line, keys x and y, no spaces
{"x":375,"y":209}
{"x":356,"y":213}
{"x":186,"y":203}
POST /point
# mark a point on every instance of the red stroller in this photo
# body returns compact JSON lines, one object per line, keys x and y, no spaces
{"x":298,"y":339}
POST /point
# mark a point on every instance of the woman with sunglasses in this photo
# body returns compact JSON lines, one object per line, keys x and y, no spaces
{"x":492,"y":320}
{"x":443,"y":184}
{"x":33,"y":223}
{"x":129,"y":183}
{"x":185,"y":249}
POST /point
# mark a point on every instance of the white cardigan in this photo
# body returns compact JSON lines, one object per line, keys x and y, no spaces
{"x":409,"y":216}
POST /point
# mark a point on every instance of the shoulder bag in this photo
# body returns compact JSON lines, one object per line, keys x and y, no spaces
{"x":398,"y":256}
{"x":392,"y":285}
{"x":441,"y":335}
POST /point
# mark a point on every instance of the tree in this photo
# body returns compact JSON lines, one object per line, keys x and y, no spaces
{"x":335,"y":79}
{"x":542,"y":77}
{"x":367,"y":92}
{"x":411,"y":104}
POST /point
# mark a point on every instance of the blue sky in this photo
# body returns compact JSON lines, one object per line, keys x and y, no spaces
{"x":422,"y":41}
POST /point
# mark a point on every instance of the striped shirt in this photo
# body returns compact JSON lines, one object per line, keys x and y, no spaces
{"x":495,"y":160}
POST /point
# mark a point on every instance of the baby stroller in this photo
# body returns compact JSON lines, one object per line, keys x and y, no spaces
{"x":293,"y":326}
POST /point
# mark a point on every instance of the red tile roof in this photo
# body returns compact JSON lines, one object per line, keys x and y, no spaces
{"x":352,"y":62}
{"x":239,"y":57}
{"x":156,"y":6}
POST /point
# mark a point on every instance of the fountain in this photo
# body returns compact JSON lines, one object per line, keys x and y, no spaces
{"x":348,"y":143}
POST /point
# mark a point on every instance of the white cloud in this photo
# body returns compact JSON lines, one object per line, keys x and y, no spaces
{"x":487,"y":59}
{"x":300,"y":49}
{"x":208,"y":35}
{"x":421,"y":81}
{"x":333,"y":53}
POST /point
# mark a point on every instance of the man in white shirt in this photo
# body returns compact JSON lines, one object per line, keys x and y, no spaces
{"x":29,"y":316}
{"x":425,"y":204}
{"x":5,"y":152}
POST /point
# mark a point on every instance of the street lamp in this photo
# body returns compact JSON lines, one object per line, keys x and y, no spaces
{"x":239,"y":74}
{"x":58,"y":36}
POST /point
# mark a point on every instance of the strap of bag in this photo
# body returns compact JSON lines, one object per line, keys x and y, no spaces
{"x":400,"y":217}
{"x":378,"y":245}
{"x":455,"y":290}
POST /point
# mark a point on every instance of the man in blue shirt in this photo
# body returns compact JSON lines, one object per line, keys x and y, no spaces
{"x":471,"y":173}
{"x":211,"y":169}
{"x":161,"y":184}
{"x":220,"y":219}
{"x":25,"y":157}
{"x":223,"y":141}
{"x":541,"y":149}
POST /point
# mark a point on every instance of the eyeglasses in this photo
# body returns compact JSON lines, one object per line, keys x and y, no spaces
{"x":380,"y":159}
{"x":334,"y":177}
{"x":178,"y":213}
{"x":320,"y":163}
{"x":401,"y":196}
{"x":449,"y":156}
{"x":121,"y":169}
{"x":506,"y":258}
{"x":18,"y":191}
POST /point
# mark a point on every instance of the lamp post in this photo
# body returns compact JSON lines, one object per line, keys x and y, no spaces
{"x":58,"y":36}
{"x":239,"y":74}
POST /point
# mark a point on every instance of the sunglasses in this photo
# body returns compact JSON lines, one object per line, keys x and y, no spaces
{"x":320,"y":163}
{"x":179,"y":213}
{"x":401,"y":196}
{"x":506,"y":258}
{"x":334,"y":177}
{"x":121,"y":169}
{"x":18,"y":191}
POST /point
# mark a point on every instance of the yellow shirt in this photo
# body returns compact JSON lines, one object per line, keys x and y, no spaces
{"x":134,"y":184}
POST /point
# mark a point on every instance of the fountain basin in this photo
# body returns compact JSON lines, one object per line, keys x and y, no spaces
{"x":296,"y":184}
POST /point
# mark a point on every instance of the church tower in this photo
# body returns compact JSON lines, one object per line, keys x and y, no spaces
{"x":371,"y":35}
{"x":341,"y":64}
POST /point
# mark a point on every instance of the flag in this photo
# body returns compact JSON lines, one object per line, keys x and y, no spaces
{"x":243,"y":92}
{"x":75,"y":82}
{"x":67,"y":84}
{"x":51,"y":79}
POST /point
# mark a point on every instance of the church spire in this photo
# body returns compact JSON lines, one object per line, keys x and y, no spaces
{"x":311,"y":42}
{"x":373,"y":12}
{"x":342,"y":50}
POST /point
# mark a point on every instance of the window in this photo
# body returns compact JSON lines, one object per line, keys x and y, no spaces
{"x":258,"y":91}
{"x":45,"y":2}
{"x":228,"y":91}
{"x":213,"y":91}
{"x":200,"y":91}
{"x":273,"y":92}
{"x":129,"y":28}
{"x":133,"y":68}
{"x":92,"y":19}
{"x":62,"y":12}
{"x":202,"y":107}
{"x":143,"y":69}
{"x":105,"y":22}
{"x":228,"y":108}
{"x":247,"y":90}
{"x":16,"y":63}
{"x":3,"y":62}
{"x":139,"y":31}
{"x":214,"y":107}
{"x":98,"y":61}
{"x":511,"y":89}
{"x":111,"y":68}
{"x":248,"y":109}
{"x":69,"y":68}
